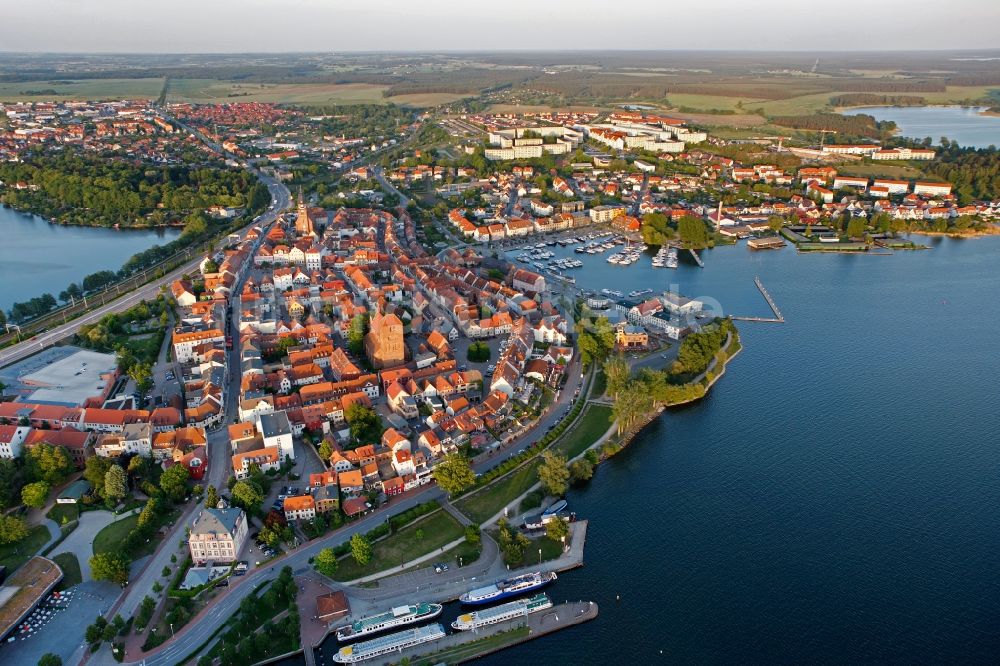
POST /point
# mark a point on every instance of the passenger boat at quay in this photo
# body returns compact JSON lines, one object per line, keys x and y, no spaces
{"x":395,"y":617}
{"x":376,"y":647}
{"x":507,"y":587}
{"x":497,"y":614}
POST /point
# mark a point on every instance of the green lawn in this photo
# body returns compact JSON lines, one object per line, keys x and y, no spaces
{"x":71,"y":570}
{"x":485,"y":503}
{"x":594,"y":422}
{"x":600,"y":385}
{"x":14,"y":555}
{"x":438,"y":529}
{"x":110,"y":538}
{"x":64,"y":513}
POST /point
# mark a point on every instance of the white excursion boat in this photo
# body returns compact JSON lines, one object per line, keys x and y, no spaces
{"x":390,"y":619}
{"x":376,"y":647}
{"x":497,"y":614}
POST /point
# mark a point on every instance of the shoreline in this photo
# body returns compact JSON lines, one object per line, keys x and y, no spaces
{"x":30,"y":213}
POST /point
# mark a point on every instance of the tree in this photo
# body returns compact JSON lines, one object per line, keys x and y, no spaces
{"x":115,"y":483}
{"x":454,"y":474}
{"x":12,"y":529}
{"x":473,"y":535}
{"x":110,"y":566}
{"x":138,"y":467}
{"x":325,"y":451}
{"x":361,"y":549}
{"x":557,"y":529}
{"x":552,"y":473}
{"x":212,"y":497}
{"x":142,"y":374}
{"x":10,"y":482}
{"x":173,"y":482}
{"x":856,"y":227}
{"x":617,"y":372}
{"x":35,"y":494}
{"x":48,"y":463}
{"x":247,"y":496}
{"x":364,"y":422}
{"x":356,"y":334}
{"x":512,"y":543}
{"x":326,"y":562}
{"x":692,"y":231}
{"x":581,"y":470}
{"x":95,"y":471}
{"x":478,"y":352}
{"x":49,"y":659}
{"x":775,"y":222}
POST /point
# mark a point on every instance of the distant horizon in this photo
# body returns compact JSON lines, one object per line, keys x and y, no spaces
{"x":392,"y":26}
{"x":994,"y":49}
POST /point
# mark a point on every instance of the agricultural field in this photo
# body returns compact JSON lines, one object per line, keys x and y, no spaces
{"x":712,"y":102}
{"x":91,"y":89}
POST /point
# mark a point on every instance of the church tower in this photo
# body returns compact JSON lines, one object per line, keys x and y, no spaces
{"x":303,"y":222}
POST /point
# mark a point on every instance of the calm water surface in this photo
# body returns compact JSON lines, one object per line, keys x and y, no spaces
{"x":834,"y":500}
{"x":37,"y":257}
{"x":963,"y":124}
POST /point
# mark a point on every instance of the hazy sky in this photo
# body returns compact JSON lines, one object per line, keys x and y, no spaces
{"x":180,"y":26}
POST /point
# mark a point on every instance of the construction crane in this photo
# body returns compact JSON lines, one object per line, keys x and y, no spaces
{"x":822,"y":136}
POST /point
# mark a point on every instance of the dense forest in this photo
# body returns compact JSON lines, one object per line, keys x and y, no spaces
{"x":353,"y":120}
{"x":974,"y":173}
{"x":860,"y":125}
{"x":872,"y":99}
{"x":95,"y":190}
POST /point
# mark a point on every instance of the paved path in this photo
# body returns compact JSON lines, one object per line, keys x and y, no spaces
{"x":80,"y":541}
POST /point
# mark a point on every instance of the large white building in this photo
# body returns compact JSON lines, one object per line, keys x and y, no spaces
{"x":277,"y":432}
{"x":218,"y":535}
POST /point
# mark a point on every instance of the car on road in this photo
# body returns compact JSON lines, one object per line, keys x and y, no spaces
{"x":440,"y":567}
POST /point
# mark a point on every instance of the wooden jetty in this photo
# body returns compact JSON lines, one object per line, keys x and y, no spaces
{"x":778,"y":318}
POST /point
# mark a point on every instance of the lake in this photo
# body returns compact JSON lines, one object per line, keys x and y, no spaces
{"x":833,"y":500}
{"x":959,"y":123}
{"x":38,"y":257}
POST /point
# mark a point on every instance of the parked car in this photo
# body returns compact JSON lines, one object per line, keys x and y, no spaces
{"x":440,"y":567}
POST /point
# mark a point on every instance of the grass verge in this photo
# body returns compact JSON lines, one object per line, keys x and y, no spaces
{"x":483,"y":504}
{"x":71,"y":570}
{"x":594,"y":422}
{"x":13,"y":555}
{"x":415,"y":540}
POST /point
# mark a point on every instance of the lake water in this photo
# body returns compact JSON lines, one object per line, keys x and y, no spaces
{"x":963,"y":124}
{"x":833,"y":500}
{"x":37,"y":257}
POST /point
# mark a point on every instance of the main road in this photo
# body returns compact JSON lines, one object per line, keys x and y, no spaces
{"x":280,"y":200}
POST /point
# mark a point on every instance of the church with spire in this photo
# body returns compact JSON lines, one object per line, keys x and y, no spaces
{"x":304,"y":225}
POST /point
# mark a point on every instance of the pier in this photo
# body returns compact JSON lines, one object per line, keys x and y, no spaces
{"x":778,"y":318}
{"x":697,"y":259}
{"x":463,"y":646}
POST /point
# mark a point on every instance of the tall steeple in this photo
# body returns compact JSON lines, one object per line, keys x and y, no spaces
{"x":303,"y":223}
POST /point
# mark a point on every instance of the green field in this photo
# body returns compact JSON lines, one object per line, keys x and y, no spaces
{"x":71,"y":570}
{"x":93,"y":89}
{"x":483,"y":504}
{"x":438,"y":529}
{"x":64,"y":513}
{"x":707,"y":102}
{"x":899,"y":171}
{"x":218,"y":91}
{"x":594,"y":422}
{"x":13,"y":555}
{"x":110,"y":538}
